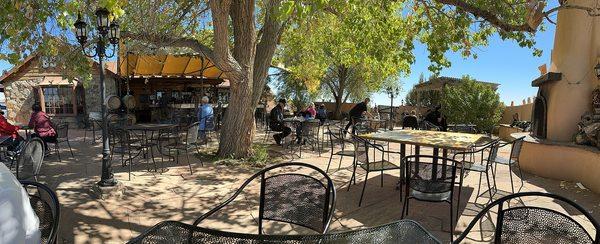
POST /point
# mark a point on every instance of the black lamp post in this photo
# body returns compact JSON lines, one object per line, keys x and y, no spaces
{"x":106,"y":31}
{"x":392,"y":92}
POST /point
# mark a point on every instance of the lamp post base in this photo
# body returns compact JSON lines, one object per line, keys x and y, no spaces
{"x":105,"y":192}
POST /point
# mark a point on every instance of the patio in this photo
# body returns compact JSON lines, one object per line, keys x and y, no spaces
{"x":151,"y":197}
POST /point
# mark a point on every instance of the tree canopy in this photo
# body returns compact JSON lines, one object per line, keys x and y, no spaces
{"x":241,"y":37}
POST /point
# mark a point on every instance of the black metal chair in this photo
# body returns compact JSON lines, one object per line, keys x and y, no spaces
{"x":361,"y":159}
{"x":488,"y":153}
{"x":513,"y":159}
{"x":430,"y":179}
{"x":294,"y":198}
{"x":172,"y":232}
{"x":126,"y":144}
{"x":308,"y":134}
{"x":187,"y":142}
{"x":46,"y":206}
{"x":30,"y":159}
{"x":533,"y":224}
{"x":336,"y":136}
{"x":62,"y":135}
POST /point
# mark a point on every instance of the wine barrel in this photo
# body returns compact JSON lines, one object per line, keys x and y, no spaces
{"x":113,"y":102}
{"x":129,"y":101}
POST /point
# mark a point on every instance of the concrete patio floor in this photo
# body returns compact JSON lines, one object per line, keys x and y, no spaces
{"x":149,"y":197}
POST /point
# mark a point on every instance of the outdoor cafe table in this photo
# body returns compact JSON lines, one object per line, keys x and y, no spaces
{"x":149,"y":127}
{"x":435,"y":139}
{"x":173,"y":232}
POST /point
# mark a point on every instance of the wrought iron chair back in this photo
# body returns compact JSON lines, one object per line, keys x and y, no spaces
{"x":46,"y":206}
{"x":515,"y":150}
{"x":533,"y":224}
{"x":191,"y":136}
{"x":294,"y":198}
{"x":30,"y":159}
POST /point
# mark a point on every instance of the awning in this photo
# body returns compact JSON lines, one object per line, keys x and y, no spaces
{"x":167,"y":66}
{"x":57,"y":81}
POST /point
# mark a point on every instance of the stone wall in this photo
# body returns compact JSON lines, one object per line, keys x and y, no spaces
{"x":19,"y":99}
{"x":93,"y":101}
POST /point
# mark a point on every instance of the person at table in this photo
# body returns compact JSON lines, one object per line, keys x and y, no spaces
{"x":411,"y":121}
{"x":322,"y":113}
{"x":311,"y":112}
{"x":356,"y":113}
{"x":10,"y":131}
{"x":276,"y":122}
{"x":435,"y":117}
{"x":308,"y":114}
{"x":42,"y":126}
{"x":205,"y":117}
{"x":18,"y":222}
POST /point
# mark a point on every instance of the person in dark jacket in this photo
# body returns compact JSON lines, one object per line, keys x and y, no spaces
{"x":410,"y":121}
{"x":356,"y":113}
{"x":276,"y":122}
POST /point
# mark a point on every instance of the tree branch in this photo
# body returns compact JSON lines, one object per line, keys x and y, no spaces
{"x":488,"y":16}
{"x":222,"y":55}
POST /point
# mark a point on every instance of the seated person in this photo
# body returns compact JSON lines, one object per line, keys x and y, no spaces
{"x":42,"y":126}
{"x":411,"y":121}
{"x":18,"y":222}
{"x":11,"y":131}
{"x":276,"y":122}
{"x":308,"y":114}
{"x":205,"y":117}
{"x":322,"y":113}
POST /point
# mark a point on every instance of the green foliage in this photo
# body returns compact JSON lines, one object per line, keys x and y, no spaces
{"x":293,"y":90}
{"x":472,"y":103}
{"x":260,"y":156}
{"x":429,"y":98}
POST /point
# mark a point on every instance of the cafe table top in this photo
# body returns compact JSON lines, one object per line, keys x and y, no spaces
{"x":436,"y":139}
{"x":149,"y":126}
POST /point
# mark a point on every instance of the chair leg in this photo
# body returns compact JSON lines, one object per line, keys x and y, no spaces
{"x":520,"y":174}
{"x":510,"y":173}
{"x":478,"y":187}
{"x":381,"y":178}
{"x":451,"y":224}
{"x":405,"y":207}
{"x":353,"y":175}
{"x":187,"y":155}
{"x":153,"y":161}
{"x":340,"y":163}
{"x":328,"y":164}
{"x":71,"y":150}
{"x":57,"y":150}
{"x":363,"y":190}
{"x":487,"y":176}
{"x":201,"y":162}
{"x":459,"y":193}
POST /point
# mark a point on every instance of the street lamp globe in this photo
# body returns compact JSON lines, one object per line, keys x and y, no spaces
{"x":103,"y":21}
{"x":114,"y":33}
{"x":81,"y":30}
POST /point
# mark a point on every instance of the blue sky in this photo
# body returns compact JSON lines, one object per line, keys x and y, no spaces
{"x":502,"y":62}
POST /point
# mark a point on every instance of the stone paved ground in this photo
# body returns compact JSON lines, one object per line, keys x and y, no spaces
{"x":151,"y":197}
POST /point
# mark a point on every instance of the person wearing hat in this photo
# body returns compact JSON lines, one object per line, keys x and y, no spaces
{"x":276,"y":122}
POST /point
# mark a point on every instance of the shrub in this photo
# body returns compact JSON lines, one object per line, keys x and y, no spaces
{"x":472,"y":102}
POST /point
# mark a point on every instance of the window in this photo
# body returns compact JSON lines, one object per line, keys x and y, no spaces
{"x":58,"y":100}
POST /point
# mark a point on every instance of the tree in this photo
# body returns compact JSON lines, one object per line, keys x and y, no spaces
{"x":427,"y":98}
{"x":244,"y":34}
{"x":350,"y":61}
{"x":472,"y":102}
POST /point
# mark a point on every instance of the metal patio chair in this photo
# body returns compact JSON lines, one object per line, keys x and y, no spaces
{"x":187,"y":142}
{"x":46,"y":206}
{"x":302,"y":199}
{"x":363,"y":160}
{"x":336,"y":137}
{"x":62,"y":136}
{"x":430,"y":179}
{"x":29,"y":159}
{"x":513,"y":159}
{"x":535,"y":224}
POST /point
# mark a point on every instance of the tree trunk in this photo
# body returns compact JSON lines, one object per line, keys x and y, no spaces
{"x":337,"y":114}
{"x":238,"y":125}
